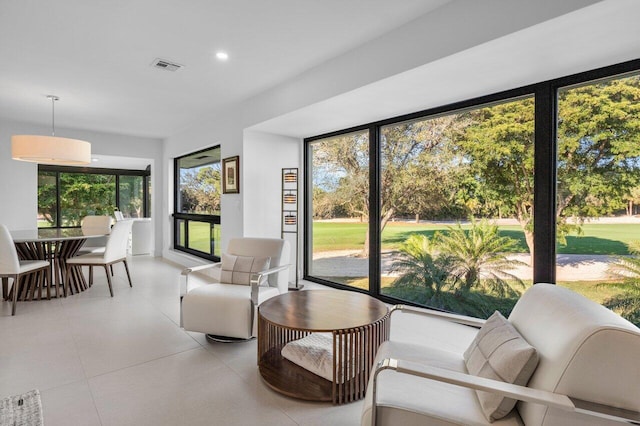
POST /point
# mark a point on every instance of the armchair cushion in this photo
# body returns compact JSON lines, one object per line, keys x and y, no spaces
{"x":499,"y":352}
{"x":238,"y":269}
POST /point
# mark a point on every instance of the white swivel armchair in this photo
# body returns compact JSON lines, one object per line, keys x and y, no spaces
{"x":252,"y":271}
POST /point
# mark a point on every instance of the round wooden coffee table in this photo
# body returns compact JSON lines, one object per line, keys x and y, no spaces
{"x":358,"y":324}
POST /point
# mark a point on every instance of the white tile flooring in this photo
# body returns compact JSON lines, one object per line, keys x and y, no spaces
{"x":124,"y":360}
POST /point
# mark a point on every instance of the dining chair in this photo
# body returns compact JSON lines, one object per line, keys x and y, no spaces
{"x":115,"y":251}
{"x":12,"y":267}
{"x":95,"y":225}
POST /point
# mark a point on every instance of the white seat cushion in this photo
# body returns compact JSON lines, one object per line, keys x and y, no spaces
{"x":86,"y":259}
{"x":222,"y":309}
{"x":408,"y":400}
{"x":31,"y":265}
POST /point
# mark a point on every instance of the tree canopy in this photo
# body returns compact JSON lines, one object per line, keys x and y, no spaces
{"x":481,"y":162}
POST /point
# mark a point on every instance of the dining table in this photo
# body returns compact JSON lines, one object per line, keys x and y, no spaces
{"x":54,"y":245}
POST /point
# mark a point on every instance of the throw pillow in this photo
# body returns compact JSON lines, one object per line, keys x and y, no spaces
{"x":499,"y":352}
{"x":238,"y":269}
{"x":314,"y":353}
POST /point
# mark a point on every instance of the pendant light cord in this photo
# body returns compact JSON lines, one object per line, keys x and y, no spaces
{"x":53,"y":113}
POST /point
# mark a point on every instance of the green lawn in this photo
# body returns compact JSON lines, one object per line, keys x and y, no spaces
{"x":596,"y":238}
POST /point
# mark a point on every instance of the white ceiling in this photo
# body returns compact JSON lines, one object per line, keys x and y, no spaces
{"x":96,"y":55}
{"x":603,"y":34}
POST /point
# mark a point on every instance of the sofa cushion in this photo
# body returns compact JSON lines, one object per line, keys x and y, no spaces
{"x":238,"y":269}
{"x":499,"y":352}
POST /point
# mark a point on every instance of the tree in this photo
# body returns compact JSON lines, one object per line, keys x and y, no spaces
{"x":414,"y":172}
{"x":47,"y":197}
{"x":599,"y":147}
{"x":200,"y":189}
{"x":86,"y":194}
{"x":498,"y":145}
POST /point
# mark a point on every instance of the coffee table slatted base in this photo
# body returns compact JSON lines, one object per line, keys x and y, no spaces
{"x":292,"y":380}
{"x":354,"y":350}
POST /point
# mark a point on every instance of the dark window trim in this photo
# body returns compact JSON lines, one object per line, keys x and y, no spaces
{"x":177,"y":216}
{"x":94,"y":170}
{"x":145,"y":174}
{"x":545,"y":152}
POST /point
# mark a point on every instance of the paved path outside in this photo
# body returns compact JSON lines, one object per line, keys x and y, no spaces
{"x":570,"y":267}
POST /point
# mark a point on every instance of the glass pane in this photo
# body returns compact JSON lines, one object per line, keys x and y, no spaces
{"x":182,"y":238}
{"x":86,"y":194}
{"x":340,"y":206}
{"x":200,"y":236}
{"x":216,"y":240}
{"x":599,"y":191}
{"x":456,"y":208}
{"x":148,"y":181}
{"x":131,"y":196}
{"x":47,"y":200}
{"x":199,"y":183}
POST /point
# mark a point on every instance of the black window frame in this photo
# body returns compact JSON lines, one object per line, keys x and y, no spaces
{"x":145,"y":174}
{"x":545,"y":156}
{"x":212,"y":220}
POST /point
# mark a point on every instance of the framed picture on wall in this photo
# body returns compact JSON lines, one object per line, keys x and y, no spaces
{"x":231,"y":175}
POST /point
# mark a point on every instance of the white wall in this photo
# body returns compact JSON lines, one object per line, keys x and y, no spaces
{"x":222,"y":129}
{"x":265,"y":155}
{"x":19,"y":180}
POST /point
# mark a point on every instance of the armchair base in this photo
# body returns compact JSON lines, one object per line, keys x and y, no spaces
{"x":226,"y":339}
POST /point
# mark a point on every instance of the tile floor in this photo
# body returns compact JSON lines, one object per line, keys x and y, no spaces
{"x":124,"y":360}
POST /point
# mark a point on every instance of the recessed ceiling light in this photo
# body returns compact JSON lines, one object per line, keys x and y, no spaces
{"x":222,"y":56}
{"x":95,"y":160}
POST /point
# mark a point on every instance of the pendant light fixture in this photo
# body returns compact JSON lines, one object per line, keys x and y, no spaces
{"x":50,"y":149}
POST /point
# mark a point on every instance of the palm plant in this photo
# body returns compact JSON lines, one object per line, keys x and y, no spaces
{"x":425,"y":279}
{"x":478,"y":260}
{"x":420,"y":265}
{"x":627,"y":268}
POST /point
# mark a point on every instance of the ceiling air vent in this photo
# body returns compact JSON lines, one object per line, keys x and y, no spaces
{"x":165,"y":65}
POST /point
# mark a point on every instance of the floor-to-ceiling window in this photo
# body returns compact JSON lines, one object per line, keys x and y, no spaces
{"x":474,"y":199}
{"x":339,"y":234}
{"x":598,"y":170}
{"x":67,"y":194}
{"x":456,"y":198}
{"x":197,"y":203}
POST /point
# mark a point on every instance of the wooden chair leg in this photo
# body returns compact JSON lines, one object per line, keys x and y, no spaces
{"x":111,"y":267}
{"x":16,"y":287}
{"x":106,"y":270}
{"x":126,"y":266}
{"x":47,"y":274}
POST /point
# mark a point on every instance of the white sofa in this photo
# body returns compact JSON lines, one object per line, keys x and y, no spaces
{"x":586,"y":353}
